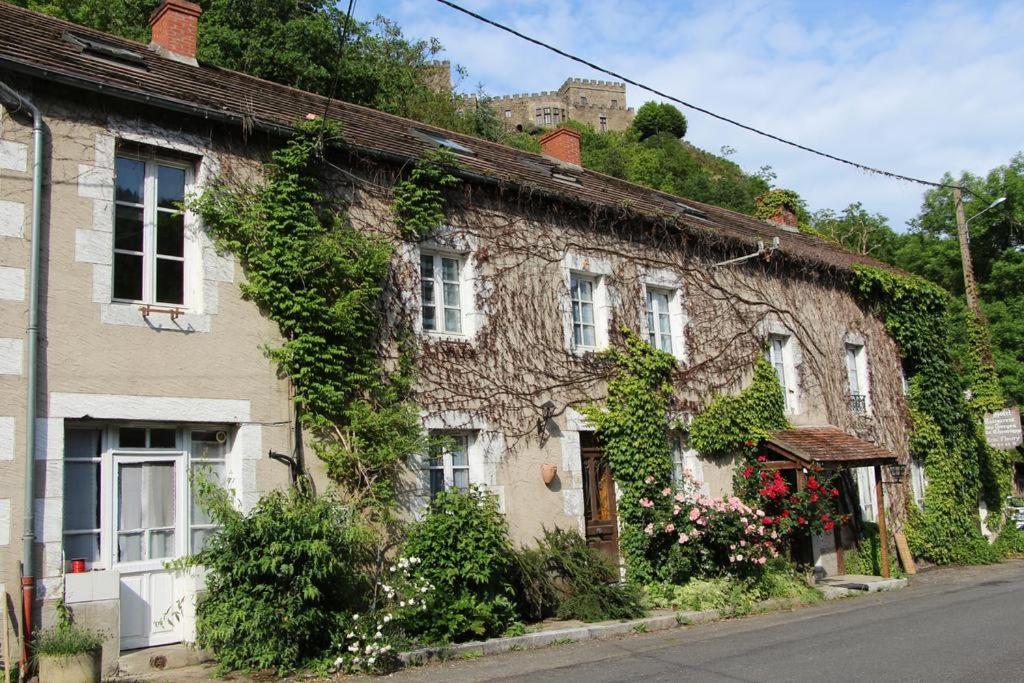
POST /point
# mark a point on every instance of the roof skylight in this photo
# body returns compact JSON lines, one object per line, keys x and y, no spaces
{"x":442,"y":141}
{"x":98,"y":48}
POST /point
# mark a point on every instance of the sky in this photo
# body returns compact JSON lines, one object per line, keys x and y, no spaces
{"x":915,"y":87}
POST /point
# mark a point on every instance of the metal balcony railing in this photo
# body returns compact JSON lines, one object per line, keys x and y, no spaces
{"x":859,"y":404}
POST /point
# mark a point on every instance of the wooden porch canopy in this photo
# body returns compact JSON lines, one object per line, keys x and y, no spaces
{"x":832,"y":448}
{"x":829,"y":447}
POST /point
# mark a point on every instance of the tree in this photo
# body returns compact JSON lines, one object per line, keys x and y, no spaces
{"x":857,"y":230}
{"x":997,"y":253}
{"x":658,"y":117}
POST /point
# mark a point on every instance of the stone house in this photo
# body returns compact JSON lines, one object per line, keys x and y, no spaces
{"x":128,"y":357}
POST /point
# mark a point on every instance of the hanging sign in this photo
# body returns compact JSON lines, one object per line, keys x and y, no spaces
{"x":1002,"y":429}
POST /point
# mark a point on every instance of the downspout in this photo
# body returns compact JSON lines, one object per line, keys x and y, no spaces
{"x":28,"y":581}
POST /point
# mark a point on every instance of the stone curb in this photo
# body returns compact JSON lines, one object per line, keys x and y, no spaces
{"x":602,"y":630}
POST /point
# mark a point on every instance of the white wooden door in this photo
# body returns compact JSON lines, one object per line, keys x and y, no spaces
{"x":149,"y":530}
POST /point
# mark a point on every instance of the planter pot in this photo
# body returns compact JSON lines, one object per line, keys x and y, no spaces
{"x":548,"y":472}
{"x":80,"y":668}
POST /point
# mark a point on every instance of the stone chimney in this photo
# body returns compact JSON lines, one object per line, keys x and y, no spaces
{"x":175,"y":25}
{"x":562,"y":144}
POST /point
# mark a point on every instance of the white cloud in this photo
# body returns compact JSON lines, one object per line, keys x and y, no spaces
{"x":919,"y":88}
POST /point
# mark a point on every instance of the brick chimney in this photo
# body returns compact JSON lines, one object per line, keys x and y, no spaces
{"x":562,"y":144}
{"x":785,"y":217}
{"x":175,"y":25}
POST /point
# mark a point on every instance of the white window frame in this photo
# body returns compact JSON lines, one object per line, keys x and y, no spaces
{"x":150,"y":211}
{"x":866,"y":493}
{"x":111,"y":455}
{"x":918,"y":481}
{"x":447,"y":464}
{"x":666,"y":282}
{"x":598,"y":271}
{"x":467,"y":296}
{"x":686,"y":459}
{"x":855,"y":350}
{"x":785,"y":343}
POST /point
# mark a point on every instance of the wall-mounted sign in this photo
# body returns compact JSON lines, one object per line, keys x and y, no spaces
{"x":1002,"y":429}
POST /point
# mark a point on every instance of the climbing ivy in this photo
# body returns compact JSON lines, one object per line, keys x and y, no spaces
{"x":737,"y":424}
{"x":419,"y":201}
{"x":946,"y":434}
{"x":320,"y":279}
{"x":633,"y":429}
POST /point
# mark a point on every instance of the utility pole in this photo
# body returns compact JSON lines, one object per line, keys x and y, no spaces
{"x":970,"y":285}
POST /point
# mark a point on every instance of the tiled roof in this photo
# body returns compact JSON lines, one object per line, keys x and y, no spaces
{"x":828,"y":446}
{"x":38,"y":45}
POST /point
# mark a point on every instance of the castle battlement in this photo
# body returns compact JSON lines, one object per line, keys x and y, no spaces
{"x":602,"y":104}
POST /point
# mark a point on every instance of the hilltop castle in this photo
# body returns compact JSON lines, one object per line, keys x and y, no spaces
{"x":602,"y":104}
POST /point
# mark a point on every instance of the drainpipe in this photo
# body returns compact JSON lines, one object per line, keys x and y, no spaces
{"x":28,"y":582}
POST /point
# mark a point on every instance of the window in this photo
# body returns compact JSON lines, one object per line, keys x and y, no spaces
{"x":583,"y":100}
{"x":540,"y":116}
{"x":149,"y":231}
{"x":855,"y":372}
{"x":615,"y":104}
{"x":659,"y":319}
{"x":441,"y":291}
{"x":584,"y":319}
{"x":128,"y":496}
{"x":918,"y":481}
{"x":687,"y":463}
{"x":508,"y":113}
{"x":547,"y":114}
{"x":603,"y":123}
{"x":780,"y":356}
{"x":448,"y":466}
{"x":82,"y":450}
{"x":866,"y":493}
{"x":442,"y":141}
{"x":207,"y":462}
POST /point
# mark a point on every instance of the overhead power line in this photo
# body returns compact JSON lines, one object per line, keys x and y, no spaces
{"x":726,"y":119}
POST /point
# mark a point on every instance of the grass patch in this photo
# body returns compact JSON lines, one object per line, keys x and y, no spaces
{"x":731,"y":597}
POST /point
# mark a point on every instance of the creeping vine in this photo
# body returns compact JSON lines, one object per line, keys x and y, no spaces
{"x":947,"y":436}
{"x":321,"y":280}
{"x":633,"y":429}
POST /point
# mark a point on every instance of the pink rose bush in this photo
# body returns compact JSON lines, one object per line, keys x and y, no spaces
{"x":701,"y":536}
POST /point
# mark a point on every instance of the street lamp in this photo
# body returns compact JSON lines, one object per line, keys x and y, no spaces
{"x":990,"y":206}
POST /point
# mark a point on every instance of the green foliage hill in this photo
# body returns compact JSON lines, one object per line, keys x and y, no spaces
{"x":664,"y":162}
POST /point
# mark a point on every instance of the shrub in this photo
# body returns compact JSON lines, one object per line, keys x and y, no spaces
{"x":867,"y":559}
{"x":65,"y":639}
{"x":280,"y":579}
{"x":588,"y":582}
{"x":465,"y":553}
{"x":654,"y":117}
{"x":370,"y":641}
{"x":1010,"y":542}
{"x":538,"y":595}
{"x":715,"y":536}
{"x":731,"y":595}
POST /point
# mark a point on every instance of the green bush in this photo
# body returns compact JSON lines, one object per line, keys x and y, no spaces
{"x":64,"y":639}
{"x":538,"y":595}
{"x":867,"y":559}
{"x":731,"y":595}
{"x":1010,"y":542}
{"x":588,"y":582}
{"x":463,"y":549}
{"x":659,"y":117}
{"x":281,"y":580}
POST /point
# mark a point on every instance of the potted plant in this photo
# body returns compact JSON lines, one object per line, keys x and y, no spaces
{"x":67,"y":653}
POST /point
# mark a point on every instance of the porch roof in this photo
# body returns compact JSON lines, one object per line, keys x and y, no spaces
{"x":827,"y":446}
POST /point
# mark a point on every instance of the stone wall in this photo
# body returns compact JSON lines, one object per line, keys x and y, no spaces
{"x":602,"y":104}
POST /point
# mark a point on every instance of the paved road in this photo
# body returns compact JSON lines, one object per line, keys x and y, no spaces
{"x":949,"y":625}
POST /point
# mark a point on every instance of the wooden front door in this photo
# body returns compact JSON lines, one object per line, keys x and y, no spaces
{"x":602,"y":526}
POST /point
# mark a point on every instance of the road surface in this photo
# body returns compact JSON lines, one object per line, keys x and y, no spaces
{"x":949,"y":625}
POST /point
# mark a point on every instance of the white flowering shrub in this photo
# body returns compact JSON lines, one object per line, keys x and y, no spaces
{"x":370,"y":640}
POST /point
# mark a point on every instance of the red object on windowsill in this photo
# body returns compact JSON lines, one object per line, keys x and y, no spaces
{"x":77,"y":566}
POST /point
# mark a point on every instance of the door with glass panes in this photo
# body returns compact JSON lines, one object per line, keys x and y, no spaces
{"x":146,"y":516}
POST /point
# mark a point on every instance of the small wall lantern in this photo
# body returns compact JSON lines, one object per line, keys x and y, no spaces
{"x":547,"y":473}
